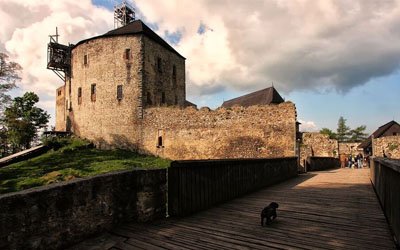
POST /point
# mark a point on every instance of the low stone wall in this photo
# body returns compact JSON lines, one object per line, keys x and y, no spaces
{"x":23,"y":155}
{"x":322,"y":163}
{"x":385,"y":176}
{"x":59,"y":215}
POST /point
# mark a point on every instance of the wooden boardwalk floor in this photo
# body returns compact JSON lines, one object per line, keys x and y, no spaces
{"x":323,"y":210}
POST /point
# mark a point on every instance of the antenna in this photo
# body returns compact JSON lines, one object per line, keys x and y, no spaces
{"x":124,"y":14}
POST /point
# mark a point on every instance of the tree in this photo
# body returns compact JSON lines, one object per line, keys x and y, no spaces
{"x":23,"y":120}
{"x":330,"y":133}
{"x":342,"y":130}
{"x":358,"y":134}
{"x":9,"y":74}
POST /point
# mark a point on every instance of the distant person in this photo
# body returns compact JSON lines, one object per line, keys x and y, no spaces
{"x":343,"y":160}
{"x":359,"y":160}
{"x":367,"y":160}
{"x":349,"y":163}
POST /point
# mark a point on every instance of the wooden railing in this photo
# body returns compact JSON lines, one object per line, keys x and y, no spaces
{"x":385,"y":176}
{"x":198,"y":185}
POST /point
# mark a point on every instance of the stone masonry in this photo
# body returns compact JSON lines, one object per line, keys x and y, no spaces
{"x":254,"y":132}
{"x":316,"y":144}
{"x":128,"y":90}
{"x":388,"y":144}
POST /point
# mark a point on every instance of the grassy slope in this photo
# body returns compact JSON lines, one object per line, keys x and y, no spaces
{"x":70,"y":162}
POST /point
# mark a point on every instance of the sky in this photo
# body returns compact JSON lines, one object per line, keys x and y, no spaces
{"x":331,"y":58}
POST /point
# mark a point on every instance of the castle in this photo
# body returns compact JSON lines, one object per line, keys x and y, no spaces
{"x":126,"y":89}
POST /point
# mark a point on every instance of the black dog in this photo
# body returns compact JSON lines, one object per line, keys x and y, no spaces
{"x":269,"y":212}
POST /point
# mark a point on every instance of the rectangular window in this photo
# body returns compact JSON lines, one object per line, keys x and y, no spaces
{"x":59,"y":92}
{"x":93,"y":92}
{"x":85,"y":60}
{"x":79,"y":95}
{"x":119,"y":92}
{"x":159,"y":66}
{"x":162,"y":98}
{"x":127,"y":54}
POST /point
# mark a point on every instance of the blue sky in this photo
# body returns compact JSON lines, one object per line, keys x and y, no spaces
{"x":331,"y":58}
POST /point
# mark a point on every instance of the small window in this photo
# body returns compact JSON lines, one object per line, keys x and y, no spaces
{"x":127,"y":54}
{"x":59,"y":93}
{"x":119,"y":92}
{"x":159,"y":66}
{"x":85,"y":60}
{"x":174,"y":72}
{"x":162,"y":98}
{"x":149,"y":102}
{"x":79,"y":95}
{"x":394,"y":133}
{"x":160,"y":142}
{"x":93,"y":92}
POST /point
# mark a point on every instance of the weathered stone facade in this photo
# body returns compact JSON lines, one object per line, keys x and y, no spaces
{"x":254,"y":132}
{"x":58,"y":215}
{"x":388,"y":144}
{"x":348,"y":148}
{"x":128,"y":91}
{"x":317,"y":144}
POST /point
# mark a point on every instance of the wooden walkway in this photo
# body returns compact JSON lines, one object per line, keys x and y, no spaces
{"x":324,"y":210}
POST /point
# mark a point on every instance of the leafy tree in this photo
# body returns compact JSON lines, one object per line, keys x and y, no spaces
{"x":330,"y":133}
{"x":8,"y":76}
{"x":358,"y":134}
{"x":342,"y":130}
{"x":22,"y":121}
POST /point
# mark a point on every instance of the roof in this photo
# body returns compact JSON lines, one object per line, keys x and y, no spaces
{"x":260,"y":97}
{"x":135,"y":28}
{"x":378,"y":133}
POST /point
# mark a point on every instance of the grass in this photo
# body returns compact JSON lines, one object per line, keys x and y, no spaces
{"x":74,"y":158}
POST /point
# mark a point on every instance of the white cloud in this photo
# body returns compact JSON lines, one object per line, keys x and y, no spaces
{"x":25,"y":36}
{"x":297,"y":44}
{"x":308,"y":126}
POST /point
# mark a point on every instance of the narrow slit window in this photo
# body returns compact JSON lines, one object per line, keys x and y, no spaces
{"x":149,"y":102}
{"x":127,"y":54}
{"x":159,"y":64}
{"x":93,"y":92}
{"x":79,"y":95}
{"x":85,"y":60}
{"x":160,"y":141}
{"x":162,"y":98}
{"x":119,"y":92}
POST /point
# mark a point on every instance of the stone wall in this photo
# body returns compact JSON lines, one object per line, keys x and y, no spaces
{"x":388,"y":144}
{"x":317,"y":144}
{"x":59,"y":215}
{"x":131,"y":62}
{"x":60,"y":109}
{"x":162,"y":81}
{"x":253,"y":132}
{"x":348,"y":148}
{"x":102,"y":117}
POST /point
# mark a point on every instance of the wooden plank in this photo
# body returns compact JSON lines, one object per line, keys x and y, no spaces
{"x":326,"y":210}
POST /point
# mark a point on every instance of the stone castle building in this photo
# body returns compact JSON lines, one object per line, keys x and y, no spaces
{"x":126,"y":89}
